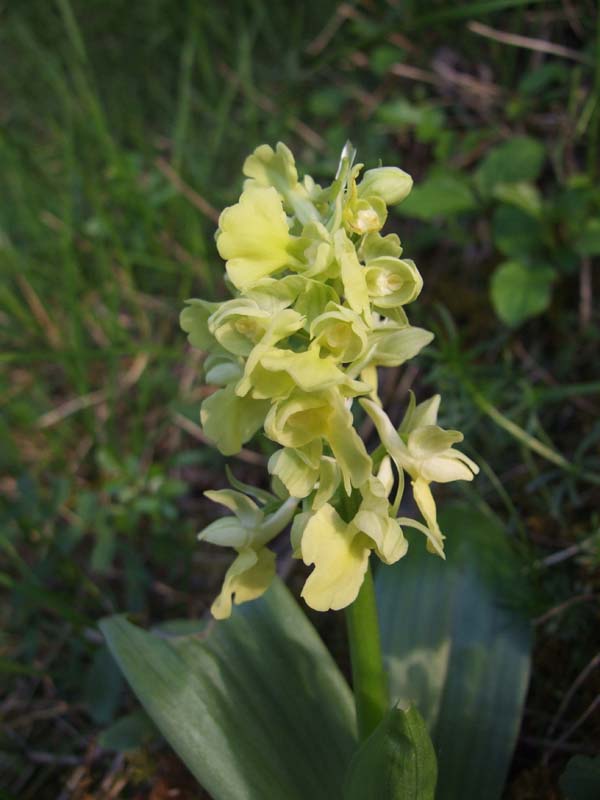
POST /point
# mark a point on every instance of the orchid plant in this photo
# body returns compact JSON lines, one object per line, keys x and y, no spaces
{"x":318,"y":298}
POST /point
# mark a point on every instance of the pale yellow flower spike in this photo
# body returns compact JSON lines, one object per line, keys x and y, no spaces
{"x":318,"y":305}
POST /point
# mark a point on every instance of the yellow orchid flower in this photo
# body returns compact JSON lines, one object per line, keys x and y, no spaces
{"x":253,"y":237}
{"x":281,"y":325}
{"x":305,"y":417}
{"x":248,"y":531}
{"x":362,"y":213}
{"x":340,"y":331}
{"x":392,"y":282}
{"x":374,"y":518}
{"x":340,"y":554}
{"x":425,"y":452}
{"x":239,"y":324}
{"x":248,"y":577}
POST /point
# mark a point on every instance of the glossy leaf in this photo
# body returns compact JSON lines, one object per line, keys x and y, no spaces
{"x":397,"y":762}
{"x":455,"y":647}
{"x":255,"y":705}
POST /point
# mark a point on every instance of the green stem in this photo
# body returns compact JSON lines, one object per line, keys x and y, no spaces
{"x":368,"y":676}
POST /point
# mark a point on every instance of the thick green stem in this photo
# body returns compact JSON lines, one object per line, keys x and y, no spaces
{"x":368,"y":676}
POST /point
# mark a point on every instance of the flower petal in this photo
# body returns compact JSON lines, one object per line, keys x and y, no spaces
{"x":329,"y":480}
{"x":292,"y":469}
{"x":253,"y":236}
{"x":245,"y":509}
{"x":309,"y":371}
{"x":226,"y":532}
{"x":388,"y":435}
{"x":386,"y":534}
{"x":418,"y":416}
{"x":229,"y":421}
{"x":194,"y":321}
{"x":426,"y":504}
{"x":239,"y":324}
{"x":247,"y":578}
{"x":353,"y":274}
{"x":340,"y":557}
{"x":446,"y":467}
{"x":391,"y":345}
{"x":282,"y":325}
{"x":431,"y":440}
{"x":347,"y":446}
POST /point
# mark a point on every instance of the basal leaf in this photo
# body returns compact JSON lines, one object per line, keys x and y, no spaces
{"x":254,"y":705}
{"x":397,"y":762}
{"x":455,"y":647}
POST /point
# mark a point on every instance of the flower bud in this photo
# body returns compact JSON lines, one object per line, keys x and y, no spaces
{"x":389,"y":183}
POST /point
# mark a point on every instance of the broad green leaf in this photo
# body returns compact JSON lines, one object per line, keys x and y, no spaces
{"x":515,"y":232}
{"x":128,"y":733}
{"x":514,"y":161}
{"x":440,"y":195}
{"x":525,"y":196}
{"x":581,"y":779}
{"x":455,"y":645}
{"x":255,"y":706}
{"x":102,"y":687}
{"x":397,"y":762}
{"x":519,"y":291}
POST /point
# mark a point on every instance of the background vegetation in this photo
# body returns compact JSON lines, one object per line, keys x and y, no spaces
{"x":124,"y":127}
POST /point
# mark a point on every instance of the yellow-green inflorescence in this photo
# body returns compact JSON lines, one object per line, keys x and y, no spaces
{"x":318,"y":296}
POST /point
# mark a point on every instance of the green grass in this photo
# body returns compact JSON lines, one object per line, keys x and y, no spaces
{"x":124,"y":125}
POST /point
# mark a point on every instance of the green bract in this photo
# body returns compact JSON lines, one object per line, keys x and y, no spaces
{"x":317,"y":308}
